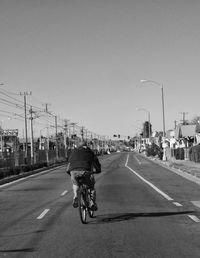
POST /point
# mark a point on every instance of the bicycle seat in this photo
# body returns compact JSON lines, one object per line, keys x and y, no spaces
{"x":81,"y":179}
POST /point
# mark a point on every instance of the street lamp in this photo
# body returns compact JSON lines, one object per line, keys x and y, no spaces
{"x":143,"y":109}
{"x":1,"y":84}
{"x":163,"y":108}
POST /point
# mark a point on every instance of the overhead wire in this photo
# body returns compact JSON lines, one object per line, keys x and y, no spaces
{"x":42,"y":116}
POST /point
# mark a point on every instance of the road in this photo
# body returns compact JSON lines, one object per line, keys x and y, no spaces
{"x":145,"y":210}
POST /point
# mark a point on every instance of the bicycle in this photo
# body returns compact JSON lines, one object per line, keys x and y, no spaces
{"x":84,"y":199}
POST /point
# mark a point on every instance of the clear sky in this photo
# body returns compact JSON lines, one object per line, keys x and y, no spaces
{"x":85,"y":58}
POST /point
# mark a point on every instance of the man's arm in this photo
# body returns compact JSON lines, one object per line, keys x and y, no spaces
{"x":96,"y":165}
{"x":68,"y":168}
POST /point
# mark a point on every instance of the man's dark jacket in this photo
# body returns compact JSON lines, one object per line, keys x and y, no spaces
{"x":83,"y":158}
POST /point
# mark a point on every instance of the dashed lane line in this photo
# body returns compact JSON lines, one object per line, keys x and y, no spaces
{"x":177,"y":204}
{"x":194,"y":218}
{"x":64,"y":193}
{"x":41,"y":216}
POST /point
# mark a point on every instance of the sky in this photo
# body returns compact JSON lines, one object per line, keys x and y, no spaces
{"x":85,"y":60}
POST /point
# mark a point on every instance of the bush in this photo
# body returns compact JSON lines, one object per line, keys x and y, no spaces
{"x":194,"y":153}
{"x":179,"y":153}
{"x":154,"y":150}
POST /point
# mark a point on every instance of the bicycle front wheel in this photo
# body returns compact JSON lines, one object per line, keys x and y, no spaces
{"x":82,"y":207}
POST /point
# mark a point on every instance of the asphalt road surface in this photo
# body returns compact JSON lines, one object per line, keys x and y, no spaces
{"x":145,"y":210}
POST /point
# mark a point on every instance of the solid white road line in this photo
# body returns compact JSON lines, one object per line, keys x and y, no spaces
{"x":43,"y":214}
{"x":64,"y":193}
{"x":147,"y":182}
{"x":194,"y":218}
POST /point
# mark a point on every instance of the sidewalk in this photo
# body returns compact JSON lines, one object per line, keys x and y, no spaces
{"x":185,"y":168}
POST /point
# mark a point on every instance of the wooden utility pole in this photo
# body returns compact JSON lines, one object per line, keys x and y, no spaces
{"x":32,"y":139}
{"x":184,"y":113}
{"x":25,"y":119}
{"x":56,"y":127}
{"x":47,"y":145}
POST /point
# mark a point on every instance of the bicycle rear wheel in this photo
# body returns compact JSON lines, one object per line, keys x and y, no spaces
{"x":82,"y":207}
{"x":90,"y":212}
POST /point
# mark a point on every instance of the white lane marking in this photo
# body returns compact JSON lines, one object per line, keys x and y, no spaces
{"x":147,"y":182}
{"x":43,"y":214}
{"x":64,"y":193}
{"x":177,"y":204}
{"x":138,"y":160}
{"x":194,"y":218}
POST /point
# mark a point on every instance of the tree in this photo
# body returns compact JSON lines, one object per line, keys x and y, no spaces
{"x":147,"y":129}
{"x":196,"y":120}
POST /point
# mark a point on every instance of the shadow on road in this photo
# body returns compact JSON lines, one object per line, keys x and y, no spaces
{"x":117,"y":217}
{"x":17,"y":250}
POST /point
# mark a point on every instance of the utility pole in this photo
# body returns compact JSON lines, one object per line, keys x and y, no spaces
{"x":32,"y":139}
{"x":25,"y":119}
{"x":47,"y":147}
{"x":66,"y":136}
{"x":175,"y":124}
{"x":74,"y":133}
{"x":184,"y":113}
{"x":56,"y":126}
{"x":82,"y":133}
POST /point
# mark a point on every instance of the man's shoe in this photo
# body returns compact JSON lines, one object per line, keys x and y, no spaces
{"x":75,"y":202}
{"x":94,"y":207}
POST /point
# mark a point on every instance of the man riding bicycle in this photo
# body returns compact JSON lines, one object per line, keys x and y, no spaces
{"x":83,"y":161}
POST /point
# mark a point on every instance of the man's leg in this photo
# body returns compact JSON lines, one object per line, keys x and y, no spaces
{"x":75,"y":199}
{"x":91,"y":184}
{"x":75,"y":188}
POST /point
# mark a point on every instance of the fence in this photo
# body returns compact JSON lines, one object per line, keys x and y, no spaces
{"x":192,"y":153}
{"x":16,"y":162}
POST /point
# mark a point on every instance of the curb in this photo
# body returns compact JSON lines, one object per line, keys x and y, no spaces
{"x":10,"y":179}
{"x":181,"y":172}
{"x":7,"y":180}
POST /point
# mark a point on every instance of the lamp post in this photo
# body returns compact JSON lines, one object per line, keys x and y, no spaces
{"x":1,"y":84}
{"x":163,"y":110}
{"x":143,"y":109}
{"x":1,"y":138}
